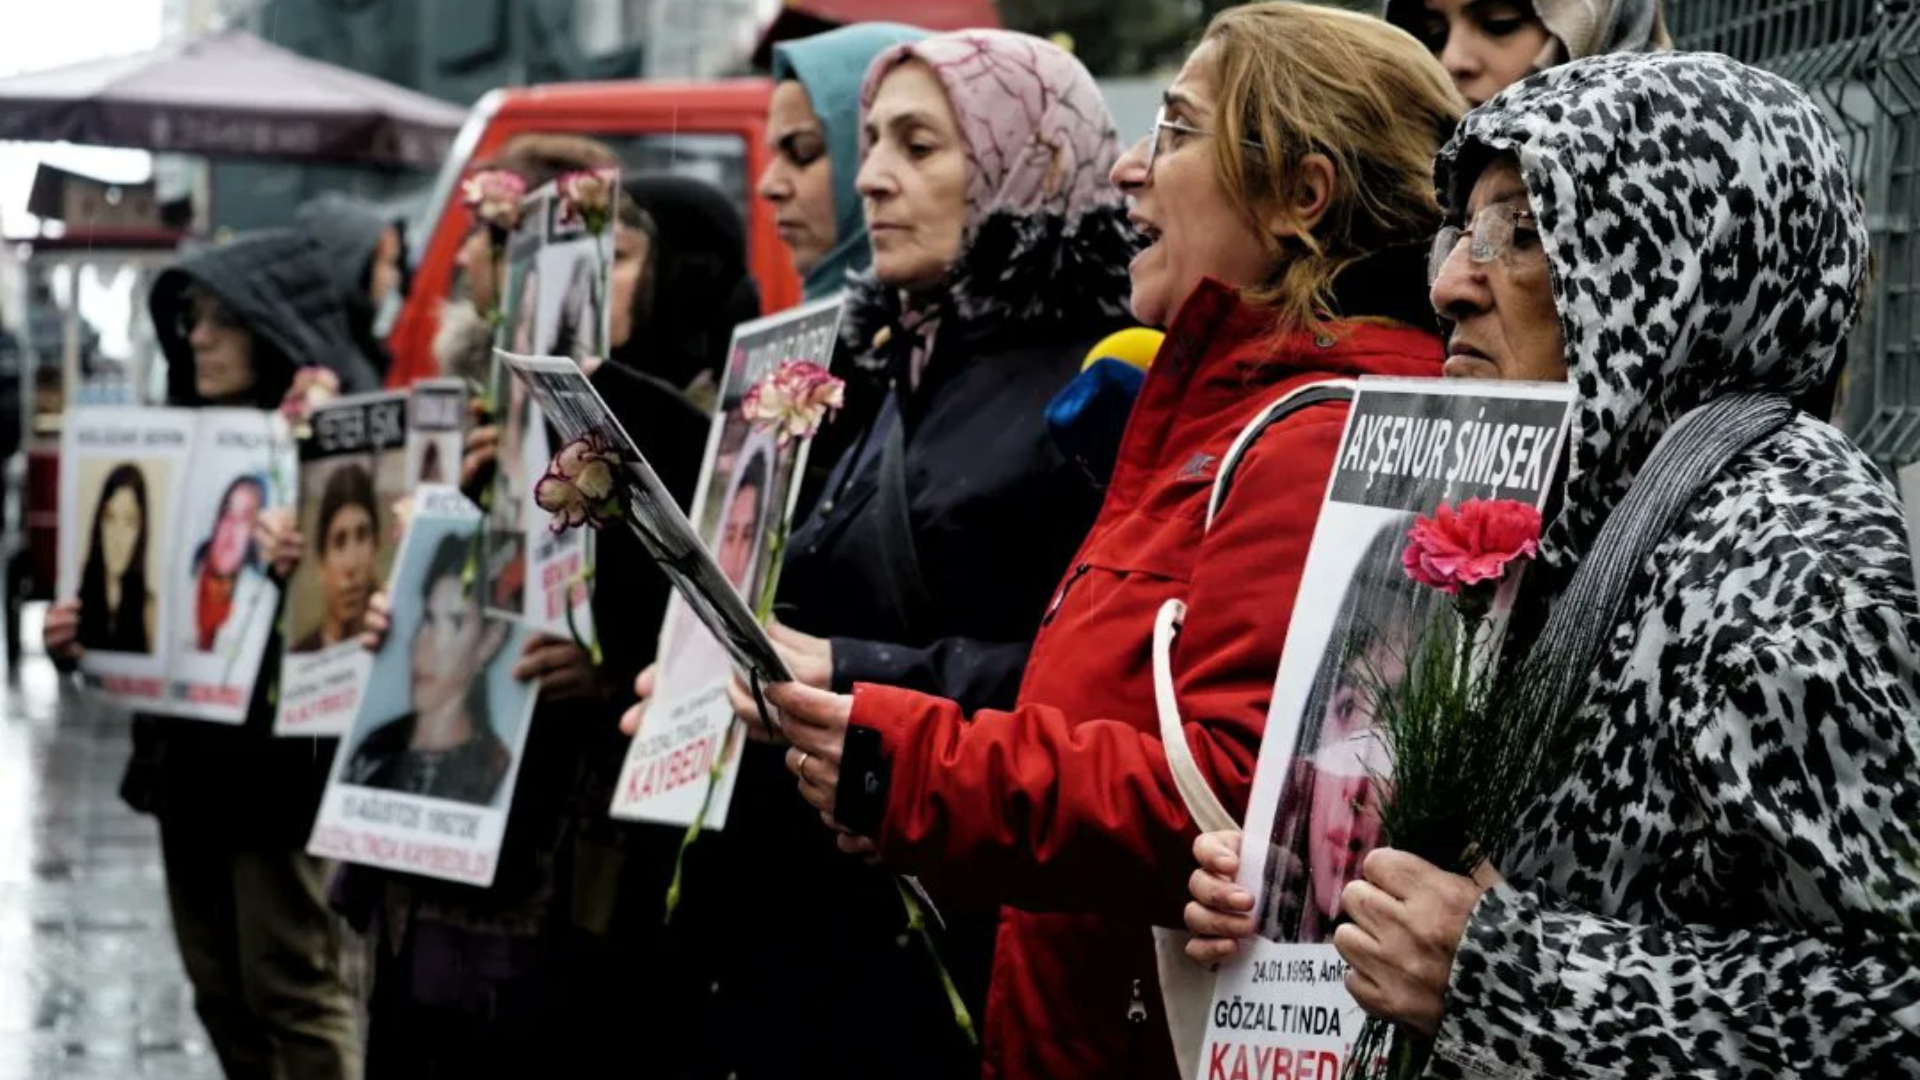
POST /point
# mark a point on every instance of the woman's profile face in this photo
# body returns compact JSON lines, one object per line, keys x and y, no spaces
{"x":447,"y":653}
{"x":630,"y":251}
{"x":1193,"y":228}
{"x":1504,"y":322}
{"x":120,"y":526}
{"x":913,"y":182}
{"x":1486,"y":45}
{"x":798,"y":180}
{"x":233,"y":531}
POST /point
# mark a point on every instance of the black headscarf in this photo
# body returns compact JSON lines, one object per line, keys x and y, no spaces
{"x":698,"y":287}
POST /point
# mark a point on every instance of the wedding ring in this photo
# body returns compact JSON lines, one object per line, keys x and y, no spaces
{"x":800,"y":767}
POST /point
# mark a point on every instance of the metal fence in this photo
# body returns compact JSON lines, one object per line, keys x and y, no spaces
{"x":1861,"y":60}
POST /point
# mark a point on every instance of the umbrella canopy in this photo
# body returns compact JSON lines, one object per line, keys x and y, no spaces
{"x":229,"y":94}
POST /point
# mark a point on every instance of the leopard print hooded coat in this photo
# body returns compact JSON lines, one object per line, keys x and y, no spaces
{"x":1727,"y":881}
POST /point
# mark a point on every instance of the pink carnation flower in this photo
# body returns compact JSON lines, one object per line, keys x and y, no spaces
{"x":793,"y":400}
{"x":578,"y":486}
{"x":493,"y":196}
{"x":1471,"y":544}
{"x":313,"y":386}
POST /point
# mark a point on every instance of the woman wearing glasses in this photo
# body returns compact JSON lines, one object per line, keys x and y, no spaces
{"x":1289,"y":206}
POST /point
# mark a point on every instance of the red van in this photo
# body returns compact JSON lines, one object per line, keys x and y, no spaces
{"x":713,"y":130}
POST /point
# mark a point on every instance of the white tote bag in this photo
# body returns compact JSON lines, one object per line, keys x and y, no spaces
{"x":1186,"y":988}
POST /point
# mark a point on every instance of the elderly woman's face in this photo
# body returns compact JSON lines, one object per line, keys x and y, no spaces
{"x":913,"y":182}
{"x":1486,"y":45}
{"x":1181,"y":207}
{"x":798,"y":180}
{"x":1499,"y":295}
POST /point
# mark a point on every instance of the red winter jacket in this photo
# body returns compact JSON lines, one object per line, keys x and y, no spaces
{"x":1064,"y":809}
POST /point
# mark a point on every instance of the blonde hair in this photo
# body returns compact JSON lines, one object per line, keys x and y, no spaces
{"x":1296,"y":79}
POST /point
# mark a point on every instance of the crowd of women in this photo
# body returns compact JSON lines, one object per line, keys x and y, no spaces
{"x":1727,"y":883}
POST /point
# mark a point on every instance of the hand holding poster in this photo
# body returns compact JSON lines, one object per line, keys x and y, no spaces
{"x":1358,"y":625}
{"x":176,"y":605}
{"x":352,"y":471}
{"x":425,"y":776}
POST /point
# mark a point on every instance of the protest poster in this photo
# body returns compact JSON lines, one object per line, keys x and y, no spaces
{"x":559,"y":266}
{"x":436,"y":430}
{"x":1281,"y":1007}
{"x":425,"y":774}
{"x":741,"y":506}
{"x":353,"y":469}
{"x":157,"y":509}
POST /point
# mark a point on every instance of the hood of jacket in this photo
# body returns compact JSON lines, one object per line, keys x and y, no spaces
{"x":699,"y":288}
{"x":1703,"y":236}
{"x":274,"y":283}
{"x":347,"y":233}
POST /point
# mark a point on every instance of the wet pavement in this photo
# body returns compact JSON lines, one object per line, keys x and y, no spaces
{"x":90,"y":984}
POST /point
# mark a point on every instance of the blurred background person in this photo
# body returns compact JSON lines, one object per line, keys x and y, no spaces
{"x":1488,"y":45}
{"x":366,"y":258}
{"x":272,"y":968}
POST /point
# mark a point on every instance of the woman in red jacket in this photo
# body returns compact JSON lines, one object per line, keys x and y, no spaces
{"x":1286,"y":189}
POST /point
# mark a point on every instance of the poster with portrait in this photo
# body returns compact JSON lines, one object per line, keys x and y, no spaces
{"x":123,"y":473}
{"x":1409,"y":446}
{"x":436,"y":429}
{"x":558,"y":275}
{"x":425,"y":774}
{"x":353,"y":469}
{"x":157,"y":513}
{"x":746,"y":493}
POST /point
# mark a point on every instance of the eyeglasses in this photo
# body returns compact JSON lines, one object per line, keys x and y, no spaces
{"x":1494,"y":230}
{"x":1163,"y":126}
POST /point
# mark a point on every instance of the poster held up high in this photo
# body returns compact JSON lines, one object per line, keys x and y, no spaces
{"x":425,"y":776}
{"x":557,"y":281}
{"x":353,"y":469}
{"x":1409,"y":446}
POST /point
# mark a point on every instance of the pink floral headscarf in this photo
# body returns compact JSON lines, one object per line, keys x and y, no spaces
{"x":1046,"y":239}
{"x":1038,"y":133}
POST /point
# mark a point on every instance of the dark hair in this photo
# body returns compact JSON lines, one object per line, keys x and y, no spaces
{"x":124,"y":628}
{"x":430,"y":468}
{"x":753,"y":475}
{"x":350,"y":485}
{"x":1380,"y":599}
{"x":244,"y":480}
{"x":449,"y":560}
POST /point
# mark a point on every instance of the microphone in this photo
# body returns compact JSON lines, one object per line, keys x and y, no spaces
{"x":1089,"y":415}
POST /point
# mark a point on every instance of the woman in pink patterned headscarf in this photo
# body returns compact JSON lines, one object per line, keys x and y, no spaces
{"x":1000,"y":258}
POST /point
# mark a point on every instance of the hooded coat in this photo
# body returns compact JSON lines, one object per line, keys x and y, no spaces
{"x":277,"y":283}
{"x":189,"y":770}
{"x":348,"y":234}
{"x":1725,"y":879}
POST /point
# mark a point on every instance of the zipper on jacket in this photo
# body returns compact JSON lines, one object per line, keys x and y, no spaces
{"x":1061,"y":596}
{"x":1137,"y":1006}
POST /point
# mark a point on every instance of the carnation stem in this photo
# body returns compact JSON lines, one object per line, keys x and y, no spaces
{"x":917,"y":926}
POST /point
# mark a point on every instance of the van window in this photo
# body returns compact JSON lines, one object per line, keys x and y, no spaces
{"x":720,"y":160}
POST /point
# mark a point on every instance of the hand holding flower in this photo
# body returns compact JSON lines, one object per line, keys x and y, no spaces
{"x":1408,"y":917}
{"x":279,"y":542}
